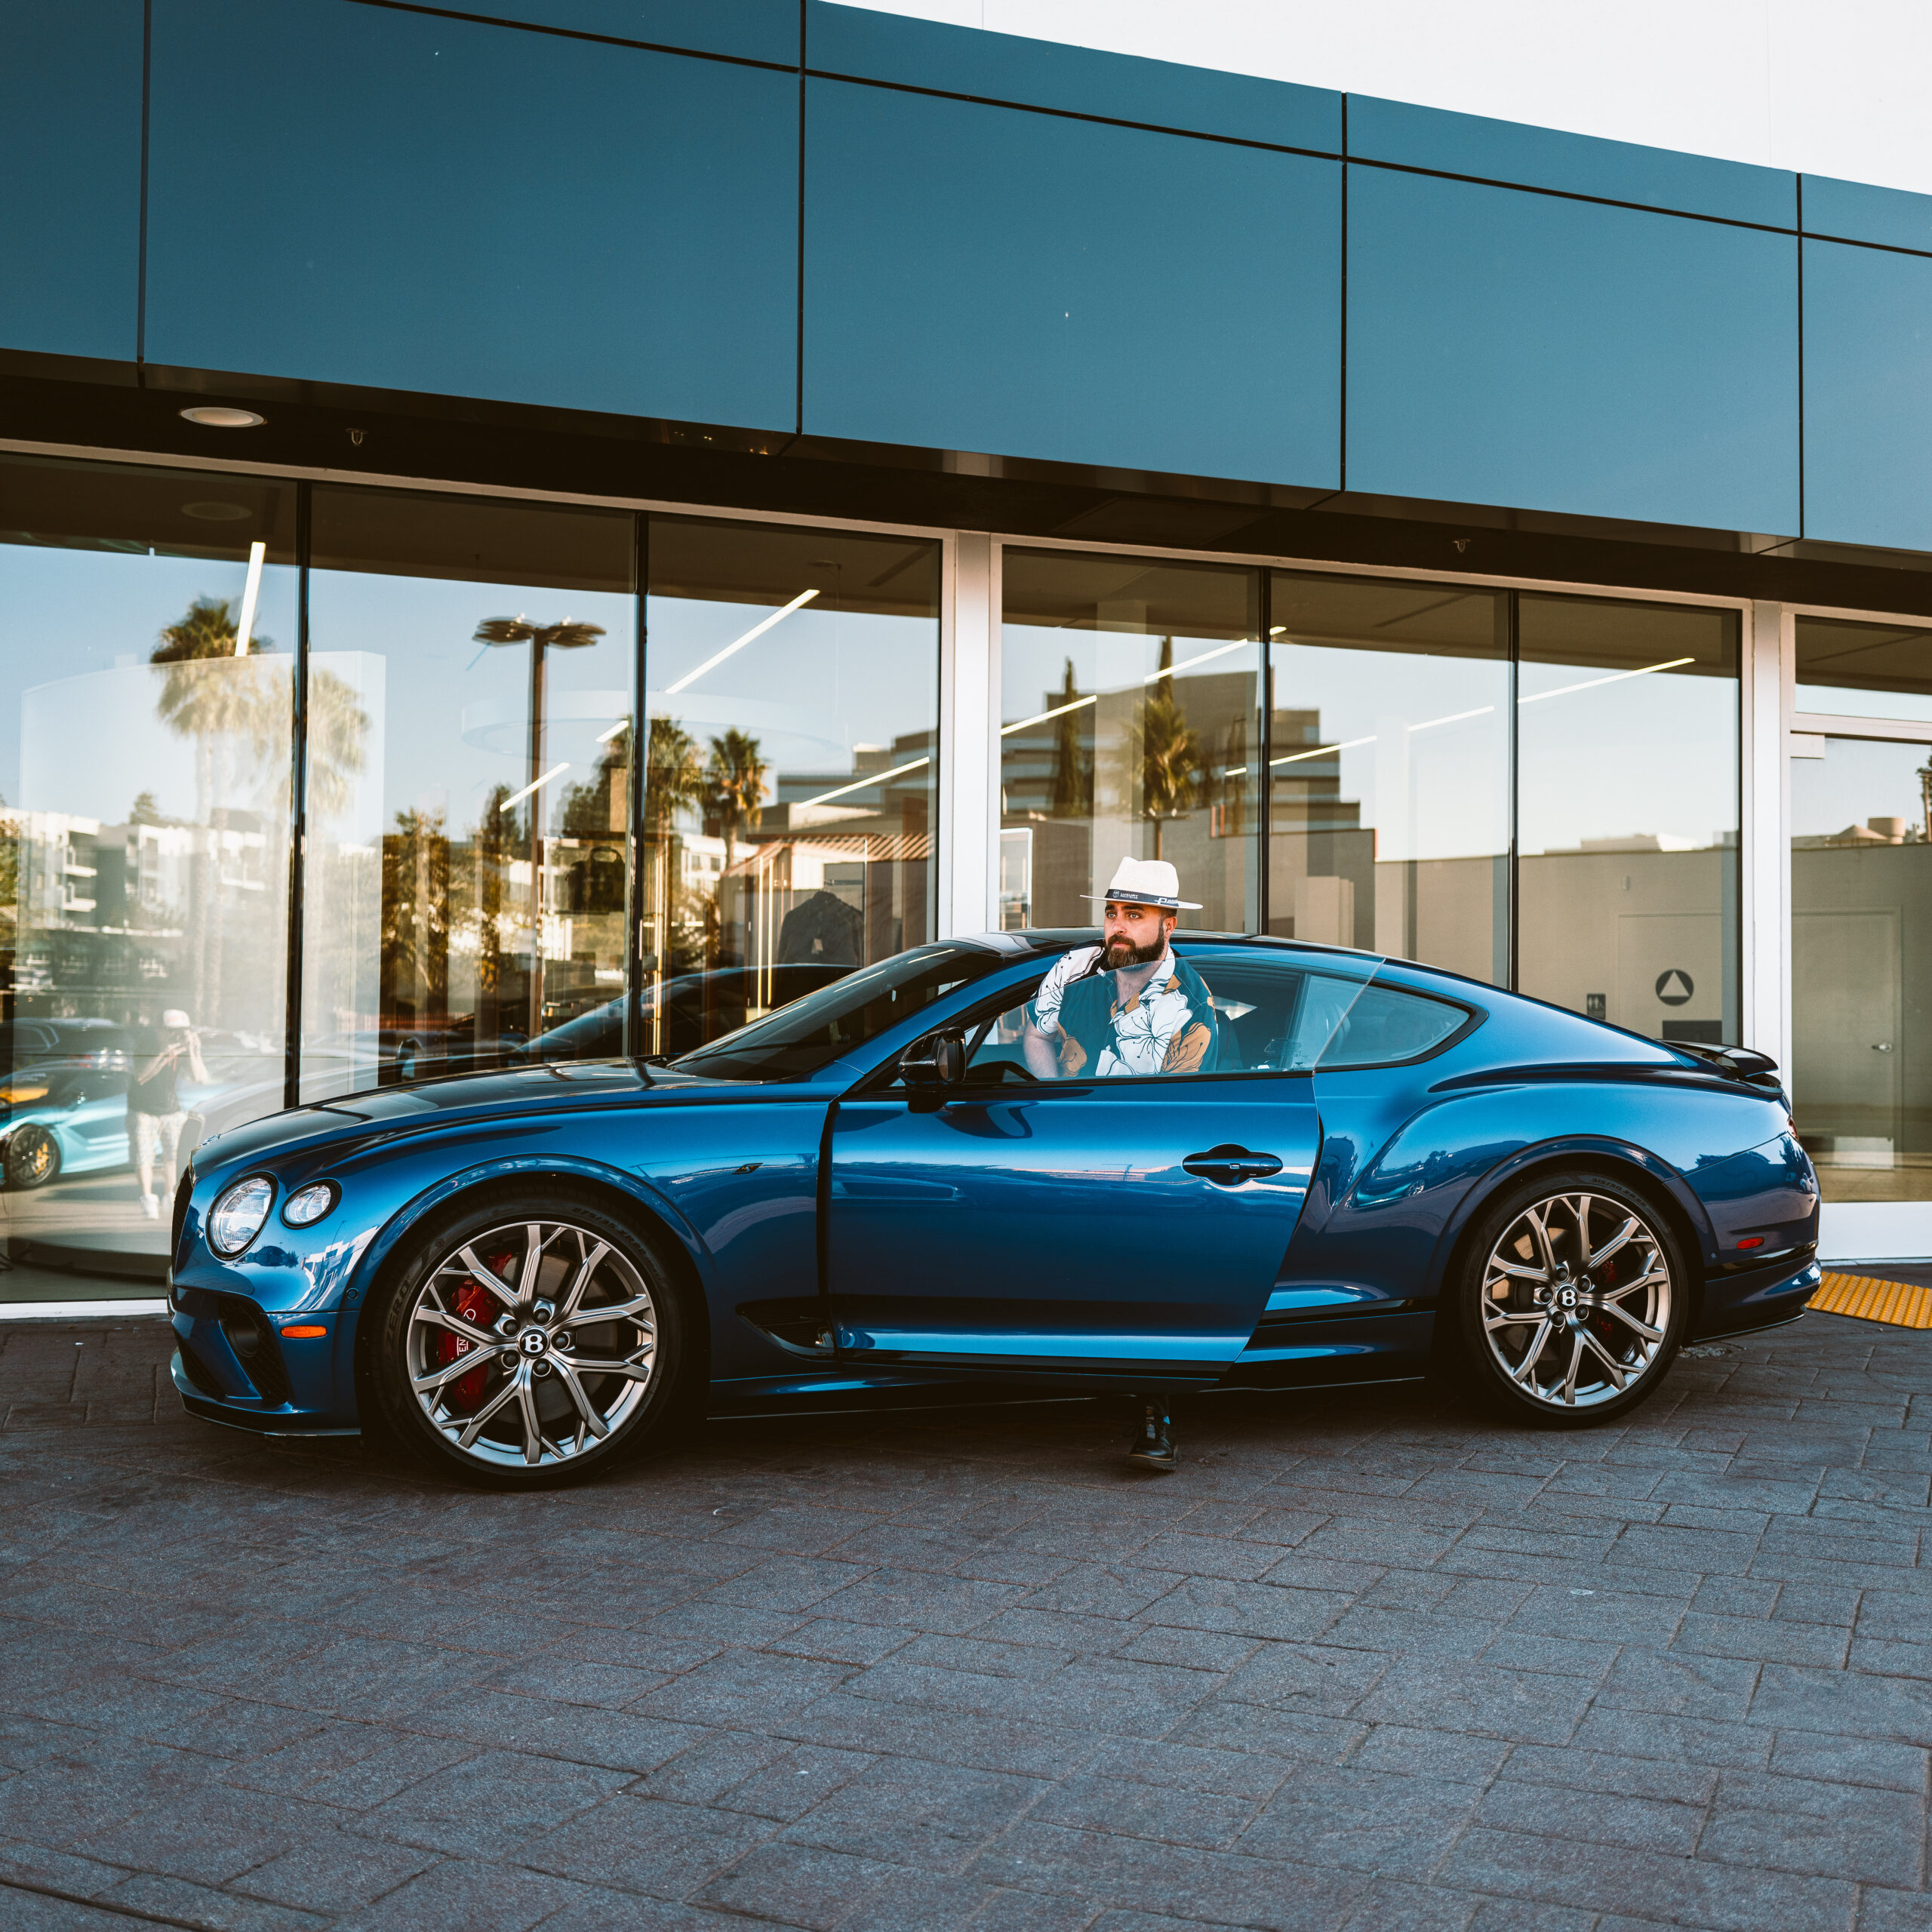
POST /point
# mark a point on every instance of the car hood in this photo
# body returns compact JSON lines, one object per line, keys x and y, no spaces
{"x":545,"y":1088}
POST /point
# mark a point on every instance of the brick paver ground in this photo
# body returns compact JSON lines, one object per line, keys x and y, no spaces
{"x":1366,"y":1662}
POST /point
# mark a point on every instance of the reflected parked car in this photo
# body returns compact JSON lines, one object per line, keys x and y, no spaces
{"x":65,"y":1119}
{"x":680,"y":1014}
{"x":1370,"y":1168}
{"x":26,"y":1044}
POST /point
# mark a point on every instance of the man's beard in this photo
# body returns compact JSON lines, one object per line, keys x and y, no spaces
{"x":1121,"y":951}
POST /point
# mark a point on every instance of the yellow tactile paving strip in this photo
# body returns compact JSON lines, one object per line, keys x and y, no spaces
{"x":1868,"y":1298}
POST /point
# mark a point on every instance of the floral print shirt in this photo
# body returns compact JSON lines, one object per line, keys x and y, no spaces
{"x":1168,"y":1027}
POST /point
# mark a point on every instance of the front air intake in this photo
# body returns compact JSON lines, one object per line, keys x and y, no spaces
{"x":256,"y":1348}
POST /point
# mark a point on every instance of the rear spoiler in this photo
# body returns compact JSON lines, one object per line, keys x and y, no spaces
{"x":1744,"y":1063}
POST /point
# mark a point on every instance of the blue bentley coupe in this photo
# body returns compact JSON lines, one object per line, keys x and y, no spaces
{"x":1378,"y":1171}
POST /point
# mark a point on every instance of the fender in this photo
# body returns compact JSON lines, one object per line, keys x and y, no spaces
{"x":1394,"y":1193}
{"x":523,"y":1166}
{"x":1569,"y":1147}
{"x":512,"y":1168}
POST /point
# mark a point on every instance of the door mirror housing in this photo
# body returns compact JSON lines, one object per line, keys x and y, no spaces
{"x":939,"y":1060}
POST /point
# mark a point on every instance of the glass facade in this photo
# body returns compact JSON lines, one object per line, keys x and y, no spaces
{"x":1861,"y":923}
{"x":470,"y":711}
{"x":1860,"y":670}
{"x":1130,"y":728}
{"x":1627,"y":813}
{"x":147,"y":651}
{"x":544,"y":781}
{"x":791,"y":767}
{"x":1389,"y":769}
{"x":1538,"y":791}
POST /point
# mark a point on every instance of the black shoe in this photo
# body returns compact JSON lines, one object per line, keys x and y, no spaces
{"x":1153,"y":1445}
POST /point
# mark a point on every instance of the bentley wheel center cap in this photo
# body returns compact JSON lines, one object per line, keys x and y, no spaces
{"x":1567,"y":1298}
{"x":533,"y":1342}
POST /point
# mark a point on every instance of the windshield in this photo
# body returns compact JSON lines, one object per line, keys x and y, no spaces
{"x":812,"y":1033}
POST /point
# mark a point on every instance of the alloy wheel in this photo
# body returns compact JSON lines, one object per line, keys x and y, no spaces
{"x":529,"y":1345}
{"x":1576,"y":1301}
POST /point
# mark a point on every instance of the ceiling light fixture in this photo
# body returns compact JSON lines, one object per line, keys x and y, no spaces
{"x":1615,"y":677}
{"x":738,"y":644}
{"x":860,"y":784}
{"x":1058,"y":711}
{"x":622,"y":724}
{"x":1188,"y":663}
{"x":251,"y":595}
{"x":220,"y":415}
{"x":535,"y":785}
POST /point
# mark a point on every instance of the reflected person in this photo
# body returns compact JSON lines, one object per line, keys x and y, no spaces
{"x":156,"y":1115}
{"x":1126,"y":1007}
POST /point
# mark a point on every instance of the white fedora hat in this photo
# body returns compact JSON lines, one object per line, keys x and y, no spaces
{"x":1147,"y":882}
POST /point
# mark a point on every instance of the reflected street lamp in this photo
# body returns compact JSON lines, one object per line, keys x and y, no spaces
{"x":567,"y":634}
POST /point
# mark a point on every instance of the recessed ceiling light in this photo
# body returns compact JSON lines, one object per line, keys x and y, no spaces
{"x":218,"y":415}
{"x":212,"y":512}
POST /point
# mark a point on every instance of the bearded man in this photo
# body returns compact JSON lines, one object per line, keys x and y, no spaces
{"x":1126,"y":1007}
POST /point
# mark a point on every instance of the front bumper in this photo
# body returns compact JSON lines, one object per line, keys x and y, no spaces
{"x":237,"y":1362}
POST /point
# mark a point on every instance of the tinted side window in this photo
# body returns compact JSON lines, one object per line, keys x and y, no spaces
{"x":1383,"y":1024}
{"x":1265,"y":1015}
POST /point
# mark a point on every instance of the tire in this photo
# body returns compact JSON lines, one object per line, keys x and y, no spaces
{"x":531,"y":1412}
{"x":33,"y":1157}
{"x":1571,"y":1300}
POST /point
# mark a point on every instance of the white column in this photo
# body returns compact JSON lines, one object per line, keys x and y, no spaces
{"x":1765,"y":871}
{"x":968,"y":851}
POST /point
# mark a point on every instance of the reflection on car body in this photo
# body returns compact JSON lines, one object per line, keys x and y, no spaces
{"x":867,"y":1195}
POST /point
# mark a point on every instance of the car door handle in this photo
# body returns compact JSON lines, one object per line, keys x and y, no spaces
{"x":1226,"y":1166}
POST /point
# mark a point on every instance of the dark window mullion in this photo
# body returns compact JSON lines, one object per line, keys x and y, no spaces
{"x":298,"y":806}
{"x":640,"y":735}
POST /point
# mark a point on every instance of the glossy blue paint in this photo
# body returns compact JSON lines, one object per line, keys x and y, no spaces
{"x":1519,"y":349}
{"x":862,"y":45}
{"x":981,"y":277}
{"x":1432,"y":137}
{"x":1055,"y":1225}
{"x":1856,"y":211}
{"x":70,"y":154}
{"x":1868,"y":396}
{"x":743,"y":30}
{"x":1045,"y":1233}
{"x":423,"y":222}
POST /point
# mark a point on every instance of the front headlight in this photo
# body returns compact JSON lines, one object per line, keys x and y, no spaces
{"x":238,"y":1213}
{"x":307,"y":1205}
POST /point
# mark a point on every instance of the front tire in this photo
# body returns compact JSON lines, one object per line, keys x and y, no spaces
{"x":534,"y":1339}
{"x":1571,"y":1299}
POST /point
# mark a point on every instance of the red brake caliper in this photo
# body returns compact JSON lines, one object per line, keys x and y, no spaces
{"x":471,"y":1303}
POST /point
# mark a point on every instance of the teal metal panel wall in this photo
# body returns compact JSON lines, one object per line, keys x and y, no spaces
{"x":1531,"y":350}
{"x":857,"y":44}
{"x":1868,"y":395}
{"x":981,"y":278}
{"x":70,"y":157}
{"x":410,"y":201}
{"x":1472,"y":145}
{"x":1012,"y":246}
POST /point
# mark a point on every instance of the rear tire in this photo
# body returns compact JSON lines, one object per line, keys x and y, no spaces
{"x":529,"y":1340}
{"x":1570,"y":1301}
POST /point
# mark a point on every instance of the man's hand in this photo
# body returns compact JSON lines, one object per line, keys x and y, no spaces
{"x":1041,"y":1053}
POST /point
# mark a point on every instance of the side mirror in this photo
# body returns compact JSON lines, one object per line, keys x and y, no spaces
{"x":937,"y":1060}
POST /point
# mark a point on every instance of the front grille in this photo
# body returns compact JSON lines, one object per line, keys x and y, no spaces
{"x":198,"y":1371}
{"x":255,"y":1348}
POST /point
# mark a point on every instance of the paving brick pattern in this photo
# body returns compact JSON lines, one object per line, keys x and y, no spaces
{"x":1366,"y":1662}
